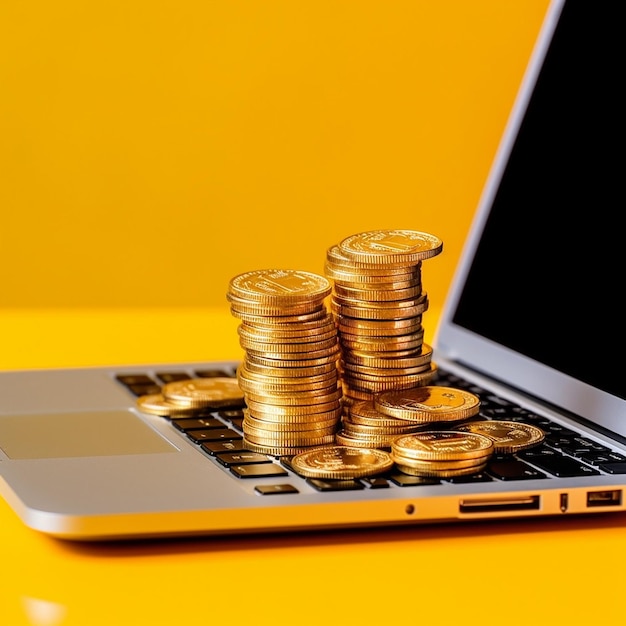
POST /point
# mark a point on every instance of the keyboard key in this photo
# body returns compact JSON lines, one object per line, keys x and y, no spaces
{"x":270,"y":490}
{"x":144,"y":390}
{"x":259,"y":470}
{"x":404,"y":480}
{"x":557,"y":464}
{"x":196,"y":423}
{"x":135,"y":379}
{"x":215,"y":447}
{"x":170,"y":377}
{"x":481,"y":477}
{"x":213,"y":373}
{"x":601,"y":458}
{"x":213,"y":434}
{"x":375,"y":482}
{"x":510,"y":468}
{"x":241,"y":458}
{"x":614,"y":468}
{"x":335,"y":485}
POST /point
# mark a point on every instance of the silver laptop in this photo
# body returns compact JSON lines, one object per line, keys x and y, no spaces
{"x":532,"y":326}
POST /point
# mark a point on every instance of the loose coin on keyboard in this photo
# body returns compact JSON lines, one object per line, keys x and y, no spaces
{"x":428,"y":404}
{"x":341,"y":462}
{"x":507,"y":437}
{"x":203,"y":392}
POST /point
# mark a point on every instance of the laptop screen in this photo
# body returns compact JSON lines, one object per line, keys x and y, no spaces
{"x":546,"y":278}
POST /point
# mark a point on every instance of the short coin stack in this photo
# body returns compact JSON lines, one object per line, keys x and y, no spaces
{"x":377,"y":303}
{"x":289,"y":374}
{"x":375,"y":423}
{"x":191,"y":397}
{"x":442,"y":454}
{"x":363,"y":426}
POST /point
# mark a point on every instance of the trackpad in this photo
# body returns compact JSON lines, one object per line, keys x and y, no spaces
{"x":91,"y":433}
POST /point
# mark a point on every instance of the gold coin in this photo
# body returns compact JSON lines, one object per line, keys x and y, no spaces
{"x":317,"y":331}
{"x":335,"y":258}
{"x":390,"y":247}
{"x":297,"y":398}
{"x":451,"y":473}
{"x":290,"y":440}
{"x":442,"y":445}
{"x":264,"y":372}
{"x":377,"y":295}
{"x":409,"y":377}
{"x":273,"y":450}
{"x":364,"y":282}
{"x":341,"y":462}
{"x":354,"y":428}
{"x":271,"y":387}
{"x":287,"y":347}
{"x":281,"y":425}
{"x":437,"y":466}
{"x":380,"y":442}
{"x":156,"y":404}
{"x":338,"y":263}
{"x":275,"y":410}
{"x":201,"y":392}
{"x":363,"y":360}
{"x":278,"y":361}
{"x":402,"y":309}
{"x":381,"y":345}
{"x":507,"y":437}
{"x":254,"y":316}
{"x":279,"y":286}
{"x":428,"y":404}
{"x":297,"y":418}
{"x":240,"y":306}
{"x":398,"y":383}
{"x":364,"y":412}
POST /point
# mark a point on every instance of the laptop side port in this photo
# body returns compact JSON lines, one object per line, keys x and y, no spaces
{"x":610,"y":497}
{"x":496,"y":505}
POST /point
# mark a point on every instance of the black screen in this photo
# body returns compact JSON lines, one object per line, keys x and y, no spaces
{"x":548,"y":276}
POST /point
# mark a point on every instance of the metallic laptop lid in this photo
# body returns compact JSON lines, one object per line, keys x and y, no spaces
{"x":534,"y":302}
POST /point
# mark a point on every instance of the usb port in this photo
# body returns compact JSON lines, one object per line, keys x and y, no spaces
{"x":611,"y":497}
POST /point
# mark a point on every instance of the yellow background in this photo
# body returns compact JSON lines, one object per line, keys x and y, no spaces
{"x":150,"y":151}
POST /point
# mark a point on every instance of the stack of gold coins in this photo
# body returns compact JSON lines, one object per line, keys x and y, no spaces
{"x":377,"y":303}
{"x":442,"y":454}
{"x":362,"y":426}
{"x":289,"y":374}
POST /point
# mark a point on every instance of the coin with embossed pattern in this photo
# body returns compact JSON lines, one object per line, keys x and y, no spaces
{"x":341,"y":462}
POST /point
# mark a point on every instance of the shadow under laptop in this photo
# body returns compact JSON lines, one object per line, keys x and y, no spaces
{"x":353,"y":536}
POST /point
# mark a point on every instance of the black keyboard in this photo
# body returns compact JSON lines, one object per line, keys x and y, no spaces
{"x":218,"y":433}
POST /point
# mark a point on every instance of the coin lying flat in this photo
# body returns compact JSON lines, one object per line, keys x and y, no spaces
{"x":201,"y":392}
{"x":442,"y":446}
{"x":507,"y":437}
{"x":428,"y":404}
{"x":279,"y":286}
{"x":156,"y":404}
{"x":341,"y":462}
{"x":391,"y":246}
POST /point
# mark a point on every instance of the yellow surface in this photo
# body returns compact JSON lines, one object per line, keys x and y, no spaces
{"x":150,"y":150}
{"x":558,"y":571}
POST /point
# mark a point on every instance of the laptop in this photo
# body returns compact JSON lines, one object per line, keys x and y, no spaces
{"x":532,"y":326}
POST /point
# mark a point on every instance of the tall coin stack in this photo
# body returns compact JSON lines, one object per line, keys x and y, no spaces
{"x":289,"y":374}
{"x":377,"y":303}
